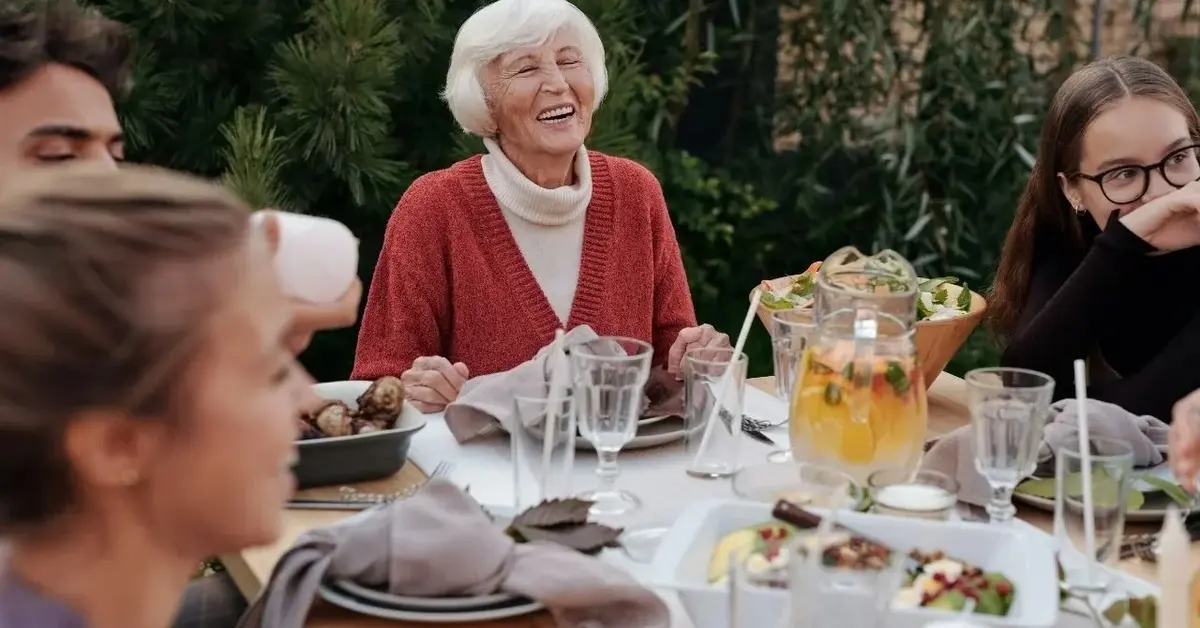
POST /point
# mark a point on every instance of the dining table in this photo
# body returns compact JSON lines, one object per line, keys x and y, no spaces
{"x":251,"y":569}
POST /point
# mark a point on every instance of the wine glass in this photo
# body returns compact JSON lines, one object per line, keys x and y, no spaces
{"x":610,"y":380}
{"x":1009,"y":408}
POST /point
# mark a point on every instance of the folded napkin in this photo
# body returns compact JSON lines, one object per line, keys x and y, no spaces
{"x":954,"y":454}
{"x":440,"y":542}
{"x":486,"y":402}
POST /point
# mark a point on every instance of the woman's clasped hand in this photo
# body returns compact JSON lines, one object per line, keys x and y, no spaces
{"x":433,"y":382}
{"x":1170,"y":222}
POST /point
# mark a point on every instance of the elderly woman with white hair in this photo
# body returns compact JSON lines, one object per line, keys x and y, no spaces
{"x":483,"y":261}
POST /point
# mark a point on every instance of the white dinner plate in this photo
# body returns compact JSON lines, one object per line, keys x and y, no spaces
{"x":351,"y":603}
{"x":430,"y":604}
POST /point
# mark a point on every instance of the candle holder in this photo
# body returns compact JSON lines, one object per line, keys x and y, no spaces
{"x":926,"y":494}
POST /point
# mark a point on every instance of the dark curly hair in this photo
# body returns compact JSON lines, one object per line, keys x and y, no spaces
{"x":109,"y":280}
{"x":38,"y":32}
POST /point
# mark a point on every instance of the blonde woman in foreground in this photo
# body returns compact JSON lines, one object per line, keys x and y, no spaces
{"x":144,"y":371}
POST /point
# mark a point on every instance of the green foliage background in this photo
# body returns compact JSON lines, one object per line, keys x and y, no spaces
{"x":915,"y":120}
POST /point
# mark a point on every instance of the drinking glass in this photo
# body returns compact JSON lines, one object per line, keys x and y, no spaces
{"x":790,"y":331}
{"x":543,"y":448}
{"x":789,"y":590}
{"x":711,"y":439}
{"x":610,"y":378}
{"x":925,"y":494}
{"x":1009,"y":408}
{"x":1111,"y":465}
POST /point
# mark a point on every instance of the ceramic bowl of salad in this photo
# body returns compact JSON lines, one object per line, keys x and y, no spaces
{"x":947,"y":312}
{"x":993,"y":576}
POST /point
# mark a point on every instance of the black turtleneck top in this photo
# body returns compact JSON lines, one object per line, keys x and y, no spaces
{"x":1139,"y":312}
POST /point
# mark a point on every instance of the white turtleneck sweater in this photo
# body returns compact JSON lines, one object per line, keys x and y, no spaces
{"x":547,"y":224}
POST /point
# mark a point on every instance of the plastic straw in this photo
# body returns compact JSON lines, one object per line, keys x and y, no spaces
{"x":1085,"y":462}
{"x":723,"y":387}
{"x":553,"y":401}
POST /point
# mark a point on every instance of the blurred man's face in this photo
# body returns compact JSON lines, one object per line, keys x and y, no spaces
{"x":58,"y":114}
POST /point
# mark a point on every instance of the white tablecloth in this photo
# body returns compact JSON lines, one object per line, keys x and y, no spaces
{"x":655,"y":475}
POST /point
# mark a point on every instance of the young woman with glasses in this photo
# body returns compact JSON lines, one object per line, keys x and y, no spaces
{"x":1101,"y":260}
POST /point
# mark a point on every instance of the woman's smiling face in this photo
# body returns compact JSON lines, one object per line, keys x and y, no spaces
{"x":542,"y":98}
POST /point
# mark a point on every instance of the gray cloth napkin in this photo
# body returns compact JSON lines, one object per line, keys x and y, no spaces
{"x":954,"y":455}
{"x":440,"y":542}
{"x":486,"y":402}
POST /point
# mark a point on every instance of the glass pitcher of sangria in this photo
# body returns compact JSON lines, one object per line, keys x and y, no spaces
{"x":859,"y":404}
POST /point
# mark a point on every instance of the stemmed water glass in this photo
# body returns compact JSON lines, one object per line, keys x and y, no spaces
{"x":1009,"y":408}
{"x":610,"y":378}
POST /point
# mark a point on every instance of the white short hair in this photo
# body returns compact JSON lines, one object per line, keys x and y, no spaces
{"x":501,"y":27}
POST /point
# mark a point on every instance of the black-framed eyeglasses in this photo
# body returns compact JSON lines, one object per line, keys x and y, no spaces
{"x":1127,"y":184}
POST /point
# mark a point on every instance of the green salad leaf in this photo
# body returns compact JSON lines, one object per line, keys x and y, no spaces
{"x":1104,"y":490}
{"x":1173,"y":490}
{"x":964,"y":298}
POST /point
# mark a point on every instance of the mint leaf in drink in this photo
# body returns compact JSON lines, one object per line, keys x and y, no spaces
{"x":898,"y":379}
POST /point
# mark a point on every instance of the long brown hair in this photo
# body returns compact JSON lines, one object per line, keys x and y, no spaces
{"x":109,"y":280}
{"x":1044,"y":215}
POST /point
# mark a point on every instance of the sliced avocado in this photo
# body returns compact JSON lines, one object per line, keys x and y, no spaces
{"x":1003,"y":589}
{"x":990,"y":603}
{"x":737,"y":545}
{"x":948,"y":600}
{"x":740,"y":544}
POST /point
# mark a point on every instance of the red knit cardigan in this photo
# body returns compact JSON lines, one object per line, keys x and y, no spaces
{"x":451,"y":280}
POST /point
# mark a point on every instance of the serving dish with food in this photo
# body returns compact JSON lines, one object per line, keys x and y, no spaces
{"x":1011,"y":569}
{"x":362,"y":431}
{"x":947,"y":312}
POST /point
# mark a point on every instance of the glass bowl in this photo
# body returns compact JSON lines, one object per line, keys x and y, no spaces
{"x":801,"y":483}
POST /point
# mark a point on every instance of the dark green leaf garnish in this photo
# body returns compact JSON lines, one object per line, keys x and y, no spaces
{"x":922,"y":311}
{"x":940,"y":295}
{"x":897,"y":377}
{"x":964,"y":298}
{"x":848,"y":371}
